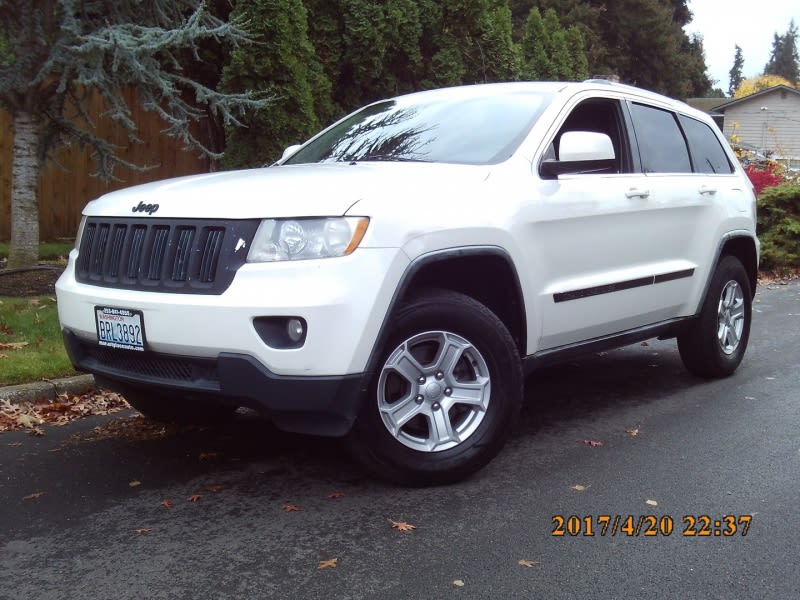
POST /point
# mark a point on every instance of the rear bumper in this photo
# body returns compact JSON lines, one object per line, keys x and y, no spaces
{"x":318,"y":405}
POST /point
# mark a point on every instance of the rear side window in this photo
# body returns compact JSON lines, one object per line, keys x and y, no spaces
{"x":707,"y":153}
{"x":662,"y":147}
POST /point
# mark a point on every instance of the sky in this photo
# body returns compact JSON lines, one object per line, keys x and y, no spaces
{"x":751,"y":24}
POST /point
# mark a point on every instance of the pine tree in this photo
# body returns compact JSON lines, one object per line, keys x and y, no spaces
{"x":283,"y":64}
{"x":473,"y":43}
{"x":536,"y":62}
{"x":551,"y":52}
{"x":736,"y":71}
{"x":784,"y":60}
{"x":58,"y":54}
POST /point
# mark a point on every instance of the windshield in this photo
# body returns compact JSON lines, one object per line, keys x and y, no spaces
{"x":482,"y":129}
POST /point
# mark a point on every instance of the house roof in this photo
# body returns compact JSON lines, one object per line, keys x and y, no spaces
{"x":707,"y":105}
{"x":726,"y":105}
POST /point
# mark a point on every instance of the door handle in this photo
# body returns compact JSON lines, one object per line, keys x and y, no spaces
{"x":704,"y":189}
{"x":637,"y":193}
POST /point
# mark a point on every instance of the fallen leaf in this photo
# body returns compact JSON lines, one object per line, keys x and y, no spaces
{"x":12,"y":345}
{"x":166,"y":503}
{"x":632,"y":432}
{"x":134,"y":483}
{"x":581,"y":488}
{"x":458,"y":583}
{"x":37,"y":432}
{"x":194,"y":498}
{"x":215,"y":487}
{"x":289,"y":507}
{"x":143,"y":530}
{"x":208,"y":455}
{"x":34,"y":496}
{"x":651,"y":502}
{"x":34,"y":302}
{"x":15,"y":444}
{"x":29,"y":415}
{"x":402,"y":525}
{"x":527,"y":563}
{"x":645,"y":344}
{"x":336,"y":495}
{"x":593,"y":443}
{"x":328,"y":564}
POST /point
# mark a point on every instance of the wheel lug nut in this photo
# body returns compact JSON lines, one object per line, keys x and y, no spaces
{"x":419,"y":399}
{"x":448,"y":391}
{"x":439,"y":375}
{"x":421,"y":379}
{"x":436,"y":406}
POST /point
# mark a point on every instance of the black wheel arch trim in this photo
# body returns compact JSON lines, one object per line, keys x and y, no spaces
{"x":719,"y":253}
{"x":414,"y":268}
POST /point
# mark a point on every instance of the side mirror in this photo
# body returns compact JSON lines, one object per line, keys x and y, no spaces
{"x":581,"y":152}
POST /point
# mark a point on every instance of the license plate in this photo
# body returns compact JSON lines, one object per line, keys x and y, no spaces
{"x":120,"y":328}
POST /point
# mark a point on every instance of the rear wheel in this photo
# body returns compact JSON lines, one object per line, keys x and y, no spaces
{"x":446,"y":394}
{"x":171,"y":407}
{"x":716,"y":341}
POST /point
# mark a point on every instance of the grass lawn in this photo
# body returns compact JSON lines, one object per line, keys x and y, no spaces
{"x":31,"y":348}
{"x":48,"y":251}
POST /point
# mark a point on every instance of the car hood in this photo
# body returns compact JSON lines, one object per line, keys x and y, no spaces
{"x":283,"y":191}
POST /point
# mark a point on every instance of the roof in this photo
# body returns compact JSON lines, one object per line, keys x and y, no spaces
{"x":771,"y":90}
{"x":707,"y":105}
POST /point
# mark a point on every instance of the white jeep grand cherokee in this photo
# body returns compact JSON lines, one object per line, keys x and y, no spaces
{"x":394,"y":279}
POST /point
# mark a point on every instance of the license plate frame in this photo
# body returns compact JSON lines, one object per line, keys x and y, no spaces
{"x":121,"y":328}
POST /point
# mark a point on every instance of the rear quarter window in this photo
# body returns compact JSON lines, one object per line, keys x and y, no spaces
{"x":707,"y":153}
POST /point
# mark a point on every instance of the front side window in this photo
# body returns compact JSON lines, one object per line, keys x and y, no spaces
{"x":662,"y":147}
{"x":479,"y":129}
{"x":707,"y":153}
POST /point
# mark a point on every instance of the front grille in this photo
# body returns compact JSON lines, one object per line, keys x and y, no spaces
{"x":168,"y":255}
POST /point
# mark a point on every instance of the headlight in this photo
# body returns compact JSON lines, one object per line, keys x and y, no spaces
{"x":302,"y":239}
{"x":79,"y":235}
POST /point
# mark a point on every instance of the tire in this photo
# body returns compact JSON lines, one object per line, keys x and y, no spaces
{"x":445,"y":396}
{"x":171,"y":407}
{"x":715,"y":342}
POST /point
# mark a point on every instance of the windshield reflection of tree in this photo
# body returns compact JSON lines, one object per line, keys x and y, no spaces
{"x":387,"y":136}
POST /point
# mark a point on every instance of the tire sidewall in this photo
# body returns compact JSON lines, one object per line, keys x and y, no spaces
{"x":730,"y":269}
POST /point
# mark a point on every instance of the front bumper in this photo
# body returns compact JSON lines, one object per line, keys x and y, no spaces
{"x":209,"y":344}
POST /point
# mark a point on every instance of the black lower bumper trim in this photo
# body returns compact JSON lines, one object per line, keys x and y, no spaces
{"x":310,"y":405}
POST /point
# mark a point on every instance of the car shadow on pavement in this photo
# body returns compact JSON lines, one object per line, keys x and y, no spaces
{"x":632,"y":376}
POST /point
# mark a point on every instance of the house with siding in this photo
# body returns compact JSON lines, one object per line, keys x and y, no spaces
{"x":767,"y":122}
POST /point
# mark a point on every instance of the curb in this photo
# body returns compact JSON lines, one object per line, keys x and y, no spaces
{"x":47,"y":389}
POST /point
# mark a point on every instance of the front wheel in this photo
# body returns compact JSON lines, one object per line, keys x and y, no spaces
{"x":715,"y":343}
{"x":445,"y":395}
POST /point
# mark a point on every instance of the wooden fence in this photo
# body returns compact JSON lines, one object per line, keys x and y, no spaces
{"x":65,"y":189}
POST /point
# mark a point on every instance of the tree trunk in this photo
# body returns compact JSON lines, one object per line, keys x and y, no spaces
{"x":24,"y":251}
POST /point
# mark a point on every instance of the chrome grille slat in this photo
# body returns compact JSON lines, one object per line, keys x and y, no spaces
{"x":210,"y":254}
{"x":159,"y":245}
{"x":180,"y":266}
{"x":137,"y":246}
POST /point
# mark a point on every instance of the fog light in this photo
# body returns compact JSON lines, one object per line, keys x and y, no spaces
{"x":283,"y":333}
{"x":294,"y":329}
